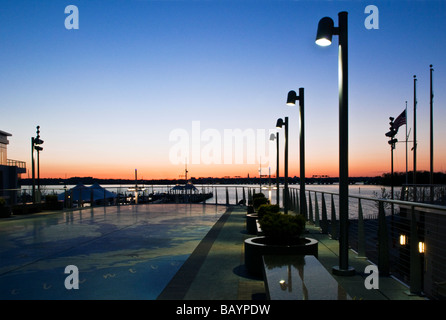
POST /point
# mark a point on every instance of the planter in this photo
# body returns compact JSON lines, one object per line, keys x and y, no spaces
{"x":251,"y":223}
{"x":5,"y":212}
{"x":256,"y":247}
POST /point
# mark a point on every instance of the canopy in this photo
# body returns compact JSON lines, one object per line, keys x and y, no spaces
{"x":84,"y":193}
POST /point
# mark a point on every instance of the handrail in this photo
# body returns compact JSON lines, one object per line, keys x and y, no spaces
{"x":16,"y":163}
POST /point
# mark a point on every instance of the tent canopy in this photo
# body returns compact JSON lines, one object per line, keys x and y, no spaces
{"x":84,"y":193}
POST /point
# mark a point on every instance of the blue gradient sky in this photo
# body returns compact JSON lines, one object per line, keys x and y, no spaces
{"x":108,"y":95}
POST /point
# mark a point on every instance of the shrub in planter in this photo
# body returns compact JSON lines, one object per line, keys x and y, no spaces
{"x":281,"y":228}
{"x":258,"y":201}
{"x":5,"y":211}
{"x":255,"y":196}
{"x":267,"y":208}
{"x":27,"y":208}
{"x":52,"y":203}
{"x":281,"y":236}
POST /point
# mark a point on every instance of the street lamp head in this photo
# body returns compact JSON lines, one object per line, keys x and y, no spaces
{"x":325,"y":30}
{"x":291,"y":99}
{"x":272,"y":137}
{"x":279,"y":123}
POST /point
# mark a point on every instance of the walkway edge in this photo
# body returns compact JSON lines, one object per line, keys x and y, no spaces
{"x":179,"y":285}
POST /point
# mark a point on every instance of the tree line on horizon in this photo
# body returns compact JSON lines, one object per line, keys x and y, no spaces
{"x":399,"y":178}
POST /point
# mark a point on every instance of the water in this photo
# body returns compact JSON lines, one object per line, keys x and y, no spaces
{"x":235,"y":194}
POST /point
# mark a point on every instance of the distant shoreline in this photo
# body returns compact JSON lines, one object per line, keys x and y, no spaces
{"x":398,"y":180}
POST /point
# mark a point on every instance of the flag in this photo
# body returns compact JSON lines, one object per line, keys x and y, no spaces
{"x":400,"y":120}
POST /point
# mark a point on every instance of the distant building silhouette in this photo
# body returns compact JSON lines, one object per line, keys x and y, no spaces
{"x":9,"y":171}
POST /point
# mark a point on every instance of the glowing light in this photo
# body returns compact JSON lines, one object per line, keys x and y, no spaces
{"x":403,"y":240}
{"x":323,"y":42}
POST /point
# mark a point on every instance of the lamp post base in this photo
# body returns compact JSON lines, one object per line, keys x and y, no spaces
{"x":343,"y":272}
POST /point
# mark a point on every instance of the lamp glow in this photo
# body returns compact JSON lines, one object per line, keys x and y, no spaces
{"x":403,"y":240}
{"x":421,"y":247}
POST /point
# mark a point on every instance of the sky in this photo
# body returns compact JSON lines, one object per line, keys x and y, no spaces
{"x":152,"y":85}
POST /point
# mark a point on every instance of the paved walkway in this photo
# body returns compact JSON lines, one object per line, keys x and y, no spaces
{"x":36,"y":250}
{"x":216,"y":269}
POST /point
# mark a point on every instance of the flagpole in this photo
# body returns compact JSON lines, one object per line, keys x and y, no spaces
{"x":407,"y":140}
{"x":431,"y":178}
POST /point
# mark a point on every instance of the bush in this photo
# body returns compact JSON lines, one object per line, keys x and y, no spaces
{"x":257,"y":202}
{"x":52,"y":202}
{"x":256,"y":196}
{"x":5,"y":211}
{"x":27,"y":208}
{"x":282,"y":227}
{"x":267,"y":208}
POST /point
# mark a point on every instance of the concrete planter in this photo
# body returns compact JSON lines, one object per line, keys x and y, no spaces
{"x":5,"y":212}
{"x":256,"y":247}
{"x":251,"y":223}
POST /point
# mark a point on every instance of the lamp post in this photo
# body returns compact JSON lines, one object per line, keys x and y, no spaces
{"x":291,"y":101}
{"x":35,"y":145}
{"x":431,"y":175}
{"x":414,"y":138}
{"x":391,"y":134}
{"x":325,"y":32}
{"x":273,"y":137}
{"x":280,"y":123}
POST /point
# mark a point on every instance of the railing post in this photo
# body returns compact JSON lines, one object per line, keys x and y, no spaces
{"x":244,"y":196}
{"x":227,"y":197}
{"x":324,"y":222}
{"x":361,"y":233}
{"x":334,"y":223}
{"x":216,"y":196}
{"x":316,"y":211}
{"x":310,"y":209}
{"x":296,"y":202}
{"x":383,"y":242}
{"x":236,"y":196}
{"x":415,"y":264}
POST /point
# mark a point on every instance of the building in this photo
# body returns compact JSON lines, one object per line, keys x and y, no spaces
{"x":10,"y":171}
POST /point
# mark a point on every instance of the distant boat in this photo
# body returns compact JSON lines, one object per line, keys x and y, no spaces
{"x":182,"y":193}
{"x":186,"y":193}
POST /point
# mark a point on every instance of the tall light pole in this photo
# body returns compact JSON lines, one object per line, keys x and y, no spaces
{"x":414,"y":138}
{"x":391,"y":134}
{"x":272,"y":138}
{"x":325,"y":32}
{"x":431,"y":176}
{"x":35,"y":145}
{"x":280,"y":123}
{"x":291,"y":101}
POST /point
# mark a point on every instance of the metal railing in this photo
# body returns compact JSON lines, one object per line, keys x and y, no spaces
{"x":16,"y":163}
{"x":406,"y":240}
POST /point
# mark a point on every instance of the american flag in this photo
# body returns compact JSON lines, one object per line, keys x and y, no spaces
{"x":401,"y":120}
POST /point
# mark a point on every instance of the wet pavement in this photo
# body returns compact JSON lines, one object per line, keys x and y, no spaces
{"x":126,"y":252}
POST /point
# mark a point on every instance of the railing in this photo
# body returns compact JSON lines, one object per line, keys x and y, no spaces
{"x":406,"y":240}
{"x":16,"y":163}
